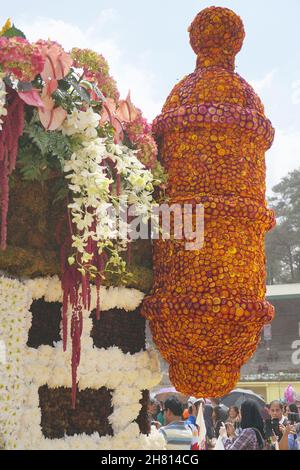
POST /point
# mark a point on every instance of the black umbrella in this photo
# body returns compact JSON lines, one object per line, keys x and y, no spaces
{"x":239,"y":395}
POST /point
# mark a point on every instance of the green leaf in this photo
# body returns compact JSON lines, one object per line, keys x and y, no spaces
{"x":14,"y":32}
{"x":62,"y":191}
{"x":64,"y":85}
{"x":82,"y":93}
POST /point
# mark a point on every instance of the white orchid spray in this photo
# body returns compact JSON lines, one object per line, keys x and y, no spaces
{"x":103,"y":176}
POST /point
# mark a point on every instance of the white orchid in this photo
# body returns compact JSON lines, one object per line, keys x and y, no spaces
{"x":94,"y":204}
{"x":81,"y":122}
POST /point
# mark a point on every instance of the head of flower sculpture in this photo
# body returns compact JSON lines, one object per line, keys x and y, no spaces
{"x":216,"y":36}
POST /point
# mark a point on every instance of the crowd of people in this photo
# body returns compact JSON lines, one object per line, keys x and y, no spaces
{"x":207,"y":424}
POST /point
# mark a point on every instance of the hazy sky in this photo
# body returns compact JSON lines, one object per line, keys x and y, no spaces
{"x":146,"y":44}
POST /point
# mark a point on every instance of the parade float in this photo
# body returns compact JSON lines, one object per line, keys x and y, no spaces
{"x":73,"y":304}
{"x":207,"y":307}
{"x":76,"y":372}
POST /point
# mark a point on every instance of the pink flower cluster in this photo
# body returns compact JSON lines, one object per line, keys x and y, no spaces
{"x":20,"y":58}
{"x":96,"y":70}
{"x":139,"y":133}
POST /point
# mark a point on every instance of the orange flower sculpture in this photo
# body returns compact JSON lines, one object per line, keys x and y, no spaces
{"x":207,"y":307}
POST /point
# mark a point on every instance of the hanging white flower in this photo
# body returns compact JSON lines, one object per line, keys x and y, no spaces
{"x":95,"y":210}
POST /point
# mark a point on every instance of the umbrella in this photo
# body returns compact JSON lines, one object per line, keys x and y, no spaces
{"x":239,"y":395}
{"x":165,"y":393}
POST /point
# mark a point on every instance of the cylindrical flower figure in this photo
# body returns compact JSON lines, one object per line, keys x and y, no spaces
{"x":207,"y":307}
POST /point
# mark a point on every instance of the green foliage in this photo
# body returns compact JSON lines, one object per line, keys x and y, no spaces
{"x":14,"y":32}
{"x":159,"y":174}
{"x":283,"y":243}
{"x":42,"y":152}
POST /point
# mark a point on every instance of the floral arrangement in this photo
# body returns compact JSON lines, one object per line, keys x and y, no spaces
{"x":14,"y":325}
{"x":28,"y":369}
{"x":208,"y":307}
{"x":3,"y":111}
{"x":64,"y":110}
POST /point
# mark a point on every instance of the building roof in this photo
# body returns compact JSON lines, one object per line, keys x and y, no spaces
{"x":282,"y":291}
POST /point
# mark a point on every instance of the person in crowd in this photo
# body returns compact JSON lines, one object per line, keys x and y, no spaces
{"x":234,"y":418}
{"x":219,"y":416}
{"x":177,"y":434}
{"x":153,"y":411}
{"x":217,"y":402}
{"x":210,"y":432}
{"x":292,"y":413}
{"x":185,"y":414}
{"x":194,"y":405}
{"x":292,"y":439}
{"x":265,"y":412}
{"x":276,"y":412}
{"x":289,"y":440}
{"x":153,"y":408}
{"x":233,"y":414}
{"x":297,"y":401}
{"x":252,"y":436}
{"x":160,"y":415}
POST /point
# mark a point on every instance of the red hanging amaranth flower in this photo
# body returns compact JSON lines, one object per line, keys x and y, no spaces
{"x":12,"y":129}
{"x":72,"y":281}
{"x":76,"y":331}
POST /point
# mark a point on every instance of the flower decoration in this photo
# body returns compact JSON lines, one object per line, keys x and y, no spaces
{"x":89,"y":61}
{"x":12,"y":129}
{"x":96,"y":70}
{"x":92,"y":199}
{"x":75,"y":136}
{"x":27,"y":369}
{"x":208,"y":307}
{"x":51,"y":116}
{"x":208,"y":27}
{"x":3,"y":110}
{"x":20,"y":58}
{"x":57,"y":66}
{"x":5,"y":27}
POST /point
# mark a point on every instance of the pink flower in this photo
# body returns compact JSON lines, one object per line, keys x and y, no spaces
{"x":57,"y":61}
{"x":20,"y":58}
{"x":57,"y":66}
{"x":51,"y":117}
{"x":96,"y":70}
{"x":147,"y":150}
{"x":109,"y":114}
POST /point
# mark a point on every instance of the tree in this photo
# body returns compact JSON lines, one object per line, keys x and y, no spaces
{"x":283,"y":243}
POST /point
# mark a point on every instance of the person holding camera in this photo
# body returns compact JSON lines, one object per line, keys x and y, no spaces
{"x":275,"y":425}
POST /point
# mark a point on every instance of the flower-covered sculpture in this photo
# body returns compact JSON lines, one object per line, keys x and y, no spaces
{"x":208,"y":307}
